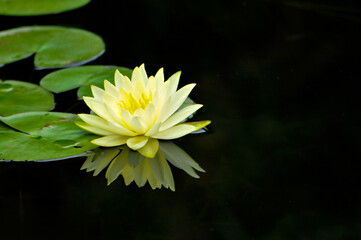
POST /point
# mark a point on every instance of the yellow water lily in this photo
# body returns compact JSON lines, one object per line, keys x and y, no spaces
{"x":135,"y":167}
{"x":139,"y":111}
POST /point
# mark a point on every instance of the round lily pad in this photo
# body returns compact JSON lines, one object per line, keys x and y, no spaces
{"x":83,"y":77}
{"x":42,"y":136}
{"x":18,"y":97}
{"x":53,"y":46}
{"x":69,"y":78}
{"x":38,"y":7}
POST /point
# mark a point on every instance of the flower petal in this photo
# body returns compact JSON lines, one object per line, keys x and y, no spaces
{"x":180,"y":159}
{"x":138,"y":125}
{"x":150,"y":149}
{"x":113,"y":108}
{"x":140,"y":176}
{"x":118,"y":79}
{"x":110,"y":141}
{"x":105,"y":158}
{"x":117,"y":166}
{"x":111,"y":89}
{"x":157,"y":168}
{"x":93,"y":129}
{"x":180,"y":130}
{"x":139,"y":74}
{"x":153,"y":182}
{"x":134,"y":159}
{"x":153,"y":130}
{"x":137,"y":142}
{"x":95,"y":121}
{"x":177,"y":100}
{"x":179,"y":116}
{"x":128,"y":175}
{"x":119,"y":129}
{"x":98,"y":108}
{"x":97,"y":92}
{"x":173,"y":82}
{"x":168,"y":176}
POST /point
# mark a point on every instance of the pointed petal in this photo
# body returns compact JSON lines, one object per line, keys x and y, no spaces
{"x":105,"y":158}
{"x":97,"y":92}
{"x":134,"y":159}
{"x":113,"y":108}
{"x":150,"y":149}
{"x":118,"y":79}
{"x":139,"y":74}
{"x":149,"y":114}
{"x":153,"y":130}
{"x":93,"y":129}
{"x":177,"y":100}
{"x":98,"y":108}
{"x":119,"y":129}
{"x":88,"y":162}
{"x":138,"y":125}
{"x":128,"y":175}
{"x":181,"y":129}
{"x":157,"y":168}
{"x":179,"y":116}
{"x":153,"y":182}
{"x":117,"y":166}
{"x":179,"y":158}
{"x":110,"y":141}
{"x":137,"y":142}
{"x":95,"y":121}
{"x":111,"y":89}
{"x":168,"y":176}
{"x":140,"y":176}
{"x":173,"y":82}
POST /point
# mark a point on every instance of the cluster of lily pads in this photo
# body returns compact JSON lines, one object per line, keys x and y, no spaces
{"x":30,"y":131}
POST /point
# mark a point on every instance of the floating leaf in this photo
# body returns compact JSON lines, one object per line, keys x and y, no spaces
{"x":70,"y":78}
{"x":38,"y":7}
{"x":83,"y":77}
{"x":98,"y":80}
{"x":53,"y":46}
{"x":18,"y":97}
{"x":42,"y":136}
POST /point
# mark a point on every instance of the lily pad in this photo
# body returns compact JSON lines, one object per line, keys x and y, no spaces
{"x":70,"y":78}
{"x":53,"y":46}
{"x":38,"y":7}
{"x":42,"y":136}
{"x":18,"y":97}
{"x":83,"y":77}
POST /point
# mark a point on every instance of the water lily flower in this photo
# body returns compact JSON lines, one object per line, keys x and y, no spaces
{"x":139,"y":111}
{"x":135,"y":167}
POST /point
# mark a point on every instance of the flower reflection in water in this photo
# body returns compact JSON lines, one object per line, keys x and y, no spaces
{"x":133,"y":166}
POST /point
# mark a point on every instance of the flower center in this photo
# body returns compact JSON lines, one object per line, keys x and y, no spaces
{"x":131,"y":103}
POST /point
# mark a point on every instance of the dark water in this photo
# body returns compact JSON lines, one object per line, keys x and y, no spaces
{"x":281,"y":84}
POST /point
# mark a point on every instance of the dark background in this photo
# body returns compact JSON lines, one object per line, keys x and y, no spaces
{"x":280,"y":81}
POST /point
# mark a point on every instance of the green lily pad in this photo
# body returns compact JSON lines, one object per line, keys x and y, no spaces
{"x":53,"y":46}
{"x":70,"y":78}
{"x":18,"y":97}
{"x":83,"y":77}
{"x":38,"y":7}
{"x":98,"y":80}
{"x":42,"y":136}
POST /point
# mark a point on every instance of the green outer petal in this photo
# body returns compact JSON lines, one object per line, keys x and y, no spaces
{"x":150,"y":149}
{"x":117,"y":166}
